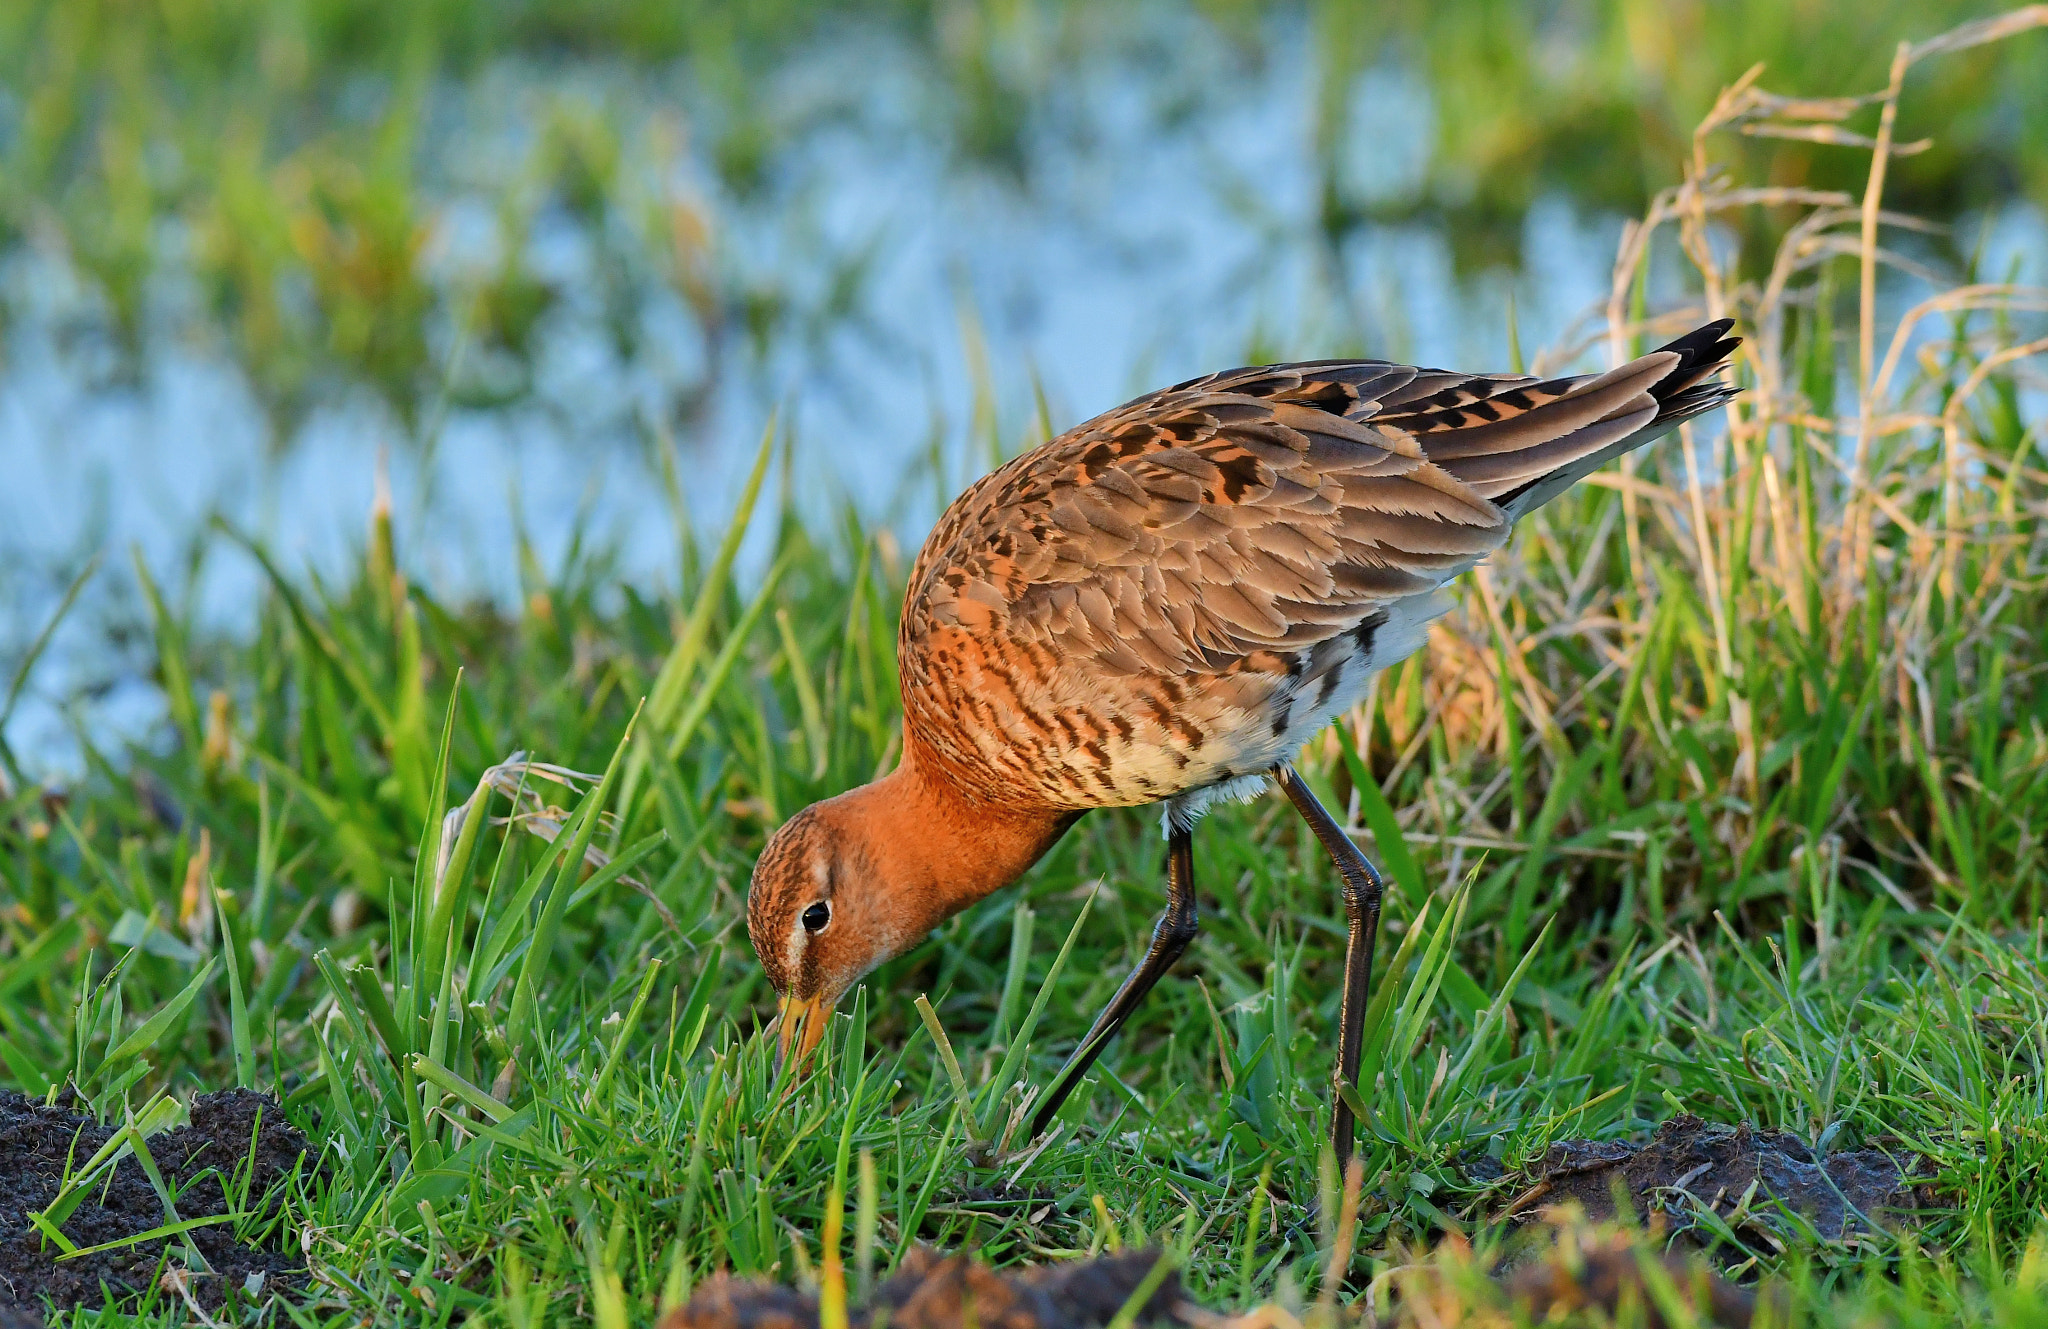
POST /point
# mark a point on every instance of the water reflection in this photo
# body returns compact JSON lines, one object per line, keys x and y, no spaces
{"x":904,"y":311}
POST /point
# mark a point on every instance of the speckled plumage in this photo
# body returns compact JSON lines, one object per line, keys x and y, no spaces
{"x":1162,"y":606}
{"x":1165,"y":602}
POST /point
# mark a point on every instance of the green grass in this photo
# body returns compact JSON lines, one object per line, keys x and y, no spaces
{"x":1724,"y":792}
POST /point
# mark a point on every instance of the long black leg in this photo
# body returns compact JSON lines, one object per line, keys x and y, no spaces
{"x":1362,"y":890}
{"x":1170,"y":937}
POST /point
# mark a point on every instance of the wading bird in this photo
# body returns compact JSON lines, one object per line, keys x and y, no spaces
{"x":1162,"y":606}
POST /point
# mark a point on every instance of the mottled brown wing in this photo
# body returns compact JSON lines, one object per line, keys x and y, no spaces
{"x":1169,"y":598}
{"x":1256,"y":509}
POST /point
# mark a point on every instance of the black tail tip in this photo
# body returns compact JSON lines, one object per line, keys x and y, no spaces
{"x":1700,"y":352}
{"x":1707,"y":344}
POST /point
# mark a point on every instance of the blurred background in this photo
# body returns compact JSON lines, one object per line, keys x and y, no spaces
{"x":558,"y":263}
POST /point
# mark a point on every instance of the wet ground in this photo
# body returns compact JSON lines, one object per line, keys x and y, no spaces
{"x":202,"y":1164}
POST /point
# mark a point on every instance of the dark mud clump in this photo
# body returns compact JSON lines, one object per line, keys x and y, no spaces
{"x":1582,"y":1271}
{"x":1591,"y":1271}
{"x":1691,"y":1166}
{"x":198,"y":1162}
{"x":931,"y":1291}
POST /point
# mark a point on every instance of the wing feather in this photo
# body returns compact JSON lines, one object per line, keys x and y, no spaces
{"x":1268,"y":507}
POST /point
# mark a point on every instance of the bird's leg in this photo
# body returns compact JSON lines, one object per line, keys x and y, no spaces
{"x":1170,"y":937}
{"x":1362,"y":890}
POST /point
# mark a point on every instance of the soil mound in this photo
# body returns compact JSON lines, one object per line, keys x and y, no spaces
{"x":1692,"y":1165}
{"x":1583,"y":1270}
{"x":932,"y":1291}
{"x":1587,"y":1270}
{"x":198,"y":1162}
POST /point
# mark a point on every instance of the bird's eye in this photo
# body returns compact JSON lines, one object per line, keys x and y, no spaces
{"x":817,"y":916}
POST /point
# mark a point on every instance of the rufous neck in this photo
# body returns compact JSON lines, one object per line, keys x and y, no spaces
{"x":939,"y":844}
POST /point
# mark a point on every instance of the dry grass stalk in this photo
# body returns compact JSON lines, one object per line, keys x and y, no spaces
{"x":1912,"y":459}
{"x":530,"y":812}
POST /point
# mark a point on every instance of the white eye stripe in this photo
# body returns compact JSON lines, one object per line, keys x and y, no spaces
{"x":793,"y":949}
{"x":799,"y":935}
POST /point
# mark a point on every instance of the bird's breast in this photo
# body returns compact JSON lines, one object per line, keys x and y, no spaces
{"x":1012,"y":721}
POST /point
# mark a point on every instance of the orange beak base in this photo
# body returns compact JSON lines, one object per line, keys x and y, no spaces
{"x":804,"y":1021}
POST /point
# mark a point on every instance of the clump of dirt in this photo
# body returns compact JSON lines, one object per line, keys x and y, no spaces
{"x":1691,"y":1165}
{"x":1588,"y":1270}
{"x":932,"y":1291}
{"x":1601,"y":1270}
{"x":197,"y":1162}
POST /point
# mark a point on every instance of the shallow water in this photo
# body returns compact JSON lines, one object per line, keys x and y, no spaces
{"x":1147,"y":235}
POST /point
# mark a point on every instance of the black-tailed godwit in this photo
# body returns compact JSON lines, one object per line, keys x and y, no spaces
{"x":1162,"y":606}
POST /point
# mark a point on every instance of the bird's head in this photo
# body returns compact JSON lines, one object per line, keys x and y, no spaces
{"x":859,"y":879}
{"x":822,"y":913}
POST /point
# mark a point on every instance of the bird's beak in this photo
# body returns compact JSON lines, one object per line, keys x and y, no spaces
{"x":803,"y":1028}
